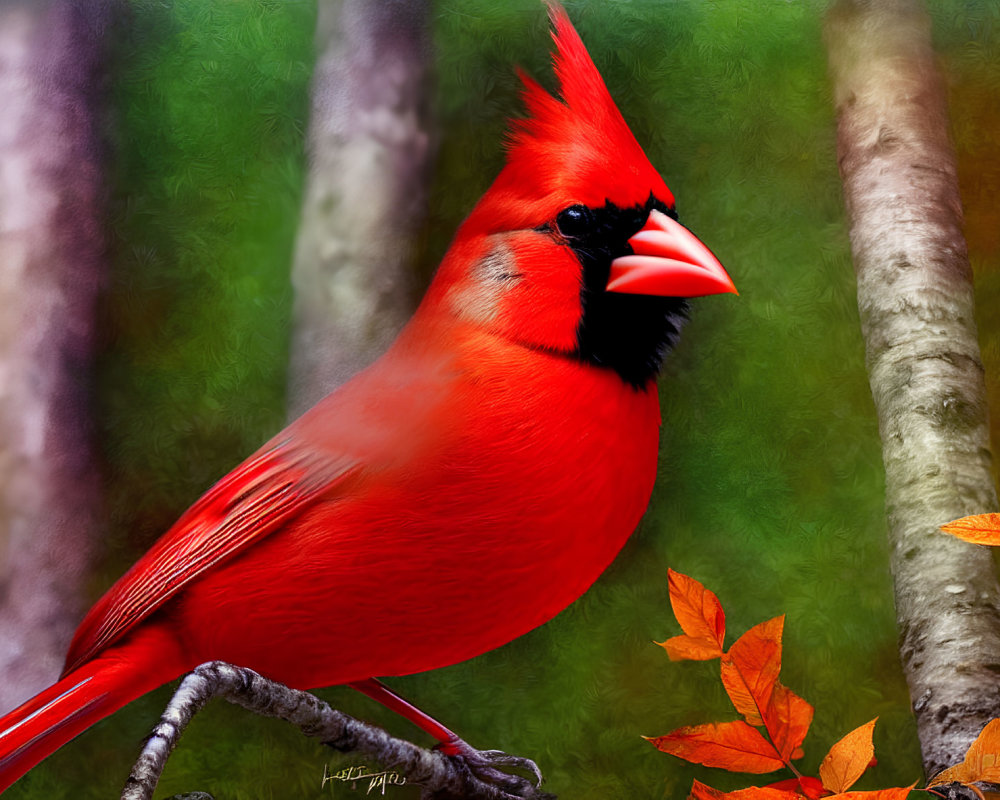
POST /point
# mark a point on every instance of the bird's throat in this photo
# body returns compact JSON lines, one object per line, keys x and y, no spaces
{"x":631,"y":334}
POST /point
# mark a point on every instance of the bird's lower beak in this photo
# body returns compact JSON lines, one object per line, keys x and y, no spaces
{"x":668,"y":261}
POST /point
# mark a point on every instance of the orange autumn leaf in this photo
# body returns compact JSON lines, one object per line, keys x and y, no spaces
{"x":956,"y":774}
{"x":805,"y":786}
{"x":700,"y":615}
{"x":750,"y":672}
{"x":734,"y":746}
{"x":982,"y":761}
{"x":750,"y":675}
{"x":687,"y":648}
{"x":978,"y":529}
{"x":699,"y":791}
{"x":750,"y":669}
{"x":787,"y":719}
{"x":848,"y":759}
{"x":895,"y":793}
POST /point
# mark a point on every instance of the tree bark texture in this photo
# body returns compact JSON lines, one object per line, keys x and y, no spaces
{"x":366,"y":191}
{"x":916,"y":302}
{"x":51,"y":264}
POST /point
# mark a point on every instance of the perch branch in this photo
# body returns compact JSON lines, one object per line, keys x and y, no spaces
{"x":473,"y":774}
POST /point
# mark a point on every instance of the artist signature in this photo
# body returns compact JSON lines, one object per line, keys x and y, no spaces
{"x":376,"y":780}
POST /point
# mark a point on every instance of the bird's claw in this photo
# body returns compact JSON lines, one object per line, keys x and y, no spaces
{"x":492,"y":766}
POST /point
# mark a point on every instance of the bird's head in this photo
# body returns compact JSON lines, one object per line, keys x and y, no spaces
{"x":575,"y":248}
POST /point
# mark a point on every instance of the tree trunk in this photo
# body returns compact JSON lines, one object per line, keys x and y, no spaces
{"x":366,"y":191}
{"x":51,"y":265}
{"x":916,"y":303}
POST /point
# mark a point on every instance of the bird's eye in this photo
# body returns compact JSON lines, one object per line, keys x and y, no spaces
{"x":574,"y":221}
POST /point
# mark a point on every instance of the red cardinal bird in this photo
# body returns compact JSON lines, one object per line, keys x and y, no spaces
{"x":464,"y":489}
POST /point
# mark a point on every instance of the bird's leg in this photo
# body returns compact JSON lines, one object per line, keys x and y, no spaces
{"x":378,"y":691}
{"x":482,"y":763}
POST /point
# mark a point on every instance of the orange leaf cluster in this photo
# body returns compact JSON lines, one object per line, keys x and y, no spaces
{"x":978,"y":529}
{"x":775,"y":720}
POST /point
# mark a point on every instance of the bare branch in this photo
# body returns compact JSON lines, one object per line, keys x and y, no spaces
{"x":471,"y":775}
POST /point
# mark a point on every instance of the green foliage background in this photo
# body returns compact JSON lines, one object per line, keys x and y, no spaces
{"x":770,"y":484}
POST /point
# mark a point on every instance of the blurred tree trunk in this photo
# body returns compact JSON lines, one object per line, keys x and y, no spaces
{"x":916,"y":303}
{"x":366,"y":190}
{"x":51,"y":265}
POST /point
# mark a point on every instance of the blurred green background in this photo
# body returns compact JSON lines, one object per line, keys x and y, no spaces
{"x":770,"y":483}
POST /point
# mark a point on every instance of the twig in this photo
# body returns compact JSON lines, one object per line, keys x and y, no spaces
{"x":471,"y":775}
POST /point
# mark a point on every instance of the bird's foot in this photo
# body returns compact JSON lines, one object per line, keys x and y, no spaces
{"x":494,"y":766}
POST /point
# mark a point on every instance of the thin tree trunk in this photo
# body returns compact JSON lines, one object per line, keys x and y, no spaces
{"x":51,"y":264}
{"x":366,"y":191}
{"x":916,"y":302}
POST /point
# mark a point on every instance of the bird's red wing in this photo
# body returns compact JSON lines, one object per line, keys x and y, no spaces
{"x":248,"y":504}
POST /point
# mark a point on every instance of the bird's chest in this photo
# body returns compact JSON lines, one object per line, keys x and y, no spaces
{"x":551,"y":473}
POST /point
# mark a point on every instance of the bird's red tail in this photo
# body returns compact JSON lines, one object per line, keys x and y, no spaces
{"x":45,"y":723}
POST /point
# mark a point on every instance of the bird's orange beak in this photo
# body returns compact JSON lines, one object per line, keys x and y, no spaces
{"x":668,"y":261}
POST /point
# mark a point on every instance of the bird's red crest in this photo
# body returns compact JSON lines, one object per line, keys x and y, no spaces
{"x":576,"y":148}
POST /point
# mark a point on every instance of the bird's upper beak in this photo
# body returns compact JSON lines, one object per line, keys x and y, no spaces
{"x":668,"y":261}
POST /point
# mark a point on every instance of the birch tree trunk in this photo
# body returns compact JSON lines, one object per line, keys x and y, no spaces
{"x":916,"y":303}
{"x":366,"y":191}
{"x":51,"y":264}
